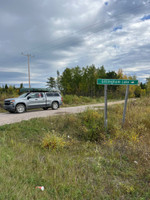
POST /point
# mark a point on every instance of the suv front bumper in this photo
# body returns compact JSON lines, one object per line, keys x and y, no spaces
{"x":10,"y":107}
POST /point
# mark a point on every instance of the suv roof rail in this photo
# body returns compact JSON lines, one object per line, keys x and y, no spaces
{"x":38,"y":90}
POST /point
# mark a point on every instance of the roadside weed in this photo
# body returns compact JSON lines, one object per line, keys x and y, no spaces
{"x":73,"y":157}
{"x":53,"y":142}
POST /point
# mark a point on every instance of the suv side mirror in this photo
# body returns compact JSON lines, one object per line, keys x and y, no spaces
{"x":28,"y":97}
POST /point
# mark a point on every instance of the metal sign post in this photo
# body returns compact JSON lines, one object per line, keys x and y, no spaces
{"x":105,"y":110}
{"x":125,"y":105}
{"x":106,"y":82}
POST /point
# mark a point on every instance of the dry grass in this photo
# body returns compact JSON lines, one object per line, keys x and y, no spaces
{"x":115,"y":165}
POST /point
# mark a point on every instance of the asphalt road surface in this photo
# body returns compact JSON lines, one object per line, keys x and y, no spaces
{"x":9,"y":118}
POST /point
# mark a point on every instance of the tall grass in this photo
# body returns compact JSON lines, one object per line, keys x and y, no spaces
{"x":87,"y":163}
{"x":80,"y":100}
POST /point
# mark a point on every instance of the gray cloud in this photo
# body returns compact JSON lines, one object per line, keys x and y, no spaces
{"x":11,"y":76}
{"x":65,"y":34}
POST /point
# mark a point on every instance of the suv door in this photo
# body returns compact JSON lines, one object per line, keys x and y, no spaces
{"x":36,"y":100}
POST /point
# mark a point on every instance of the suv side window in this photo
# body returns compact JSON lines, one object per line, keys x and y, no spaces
{"x":36,"y":95}
{"x":50,"y":94}
{"x":56,"y":94}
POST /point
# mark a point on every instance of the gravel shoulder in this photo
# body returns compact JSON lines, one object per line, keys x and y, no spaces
{"x":10,"y":118}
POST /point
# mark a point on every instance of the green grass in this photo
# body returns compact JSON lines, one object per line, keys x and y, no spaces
{"x":81,"y":161}
{"x":73,"y":100}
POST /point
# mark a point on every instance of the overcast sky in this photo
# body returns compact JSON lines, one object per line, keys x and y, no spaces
{"x":67,"y":33}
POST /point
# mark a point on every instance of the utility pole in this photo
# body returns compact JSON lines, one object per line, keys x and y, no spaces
{"x":28,"y":55}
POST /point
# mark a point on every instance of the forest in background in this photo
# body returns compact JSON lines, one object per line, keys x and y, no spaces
{"x":83,"y":82}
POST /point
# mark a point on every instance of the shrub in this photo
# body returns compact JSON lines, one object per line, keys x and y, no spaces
{"x":85,"y":99}
{"x":76,"y":99}
{"x":53,"y":142}
{"x":137,"y":91}
{"x":68,"y":99}
{"x":92,"y":128}
{"x":143,"y":92}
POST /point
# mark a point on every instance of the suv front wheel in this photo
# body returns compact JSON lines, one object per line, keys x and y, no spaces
{"x":20,"y":108}
{"x":55,"y":105}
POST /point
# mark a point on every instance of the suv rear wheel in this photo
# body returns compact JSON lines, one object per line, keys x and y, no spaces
{"x":20,"y":108}
{"x":55,"y":105}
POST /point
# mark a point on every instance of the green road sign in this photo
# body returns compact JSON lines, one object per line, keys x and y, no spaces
{"x":116,"y":82}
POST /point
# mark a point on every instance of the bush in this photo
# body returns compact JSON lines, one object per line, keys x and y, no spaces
{"x":85,"y":99}
{"x":68,"y":99}
{"x":92,"y":128}
{"x":137,"y":91}
{"x":74,"y":99}
{"x":143,"y":92}
{"x":81,"y":100}
{"x":53,"y":142}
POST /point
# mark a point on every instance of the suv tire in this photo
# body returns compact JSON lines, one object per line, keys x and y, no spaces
{"x":20,"y":108}
{"x":10,"y":111}
{"x":45,"y":108}
{"x":55,"y":105}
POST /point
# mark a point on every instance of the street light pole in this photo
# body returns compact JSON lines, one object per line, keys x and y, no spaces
{"x":28,"y":55}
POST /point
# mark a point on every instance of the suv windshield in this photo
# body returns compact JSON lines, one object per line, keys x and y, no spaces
{"x":23,"y":95}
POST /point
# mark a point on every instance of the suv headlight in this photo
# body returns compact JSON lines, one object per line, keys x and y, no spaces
{"x":12,"y":101}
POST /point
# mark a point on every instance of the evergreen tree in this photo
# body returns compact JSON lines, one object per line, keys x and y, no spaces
{"x":143,"y":85}
{"x":21,"y":85}
{"x":112,"y":75}
{"x":67,"y":81}
{"x":101,"y":72}
{"x":51,"y":82}
{"x":76,"y":79}
{"x":6,"y":87}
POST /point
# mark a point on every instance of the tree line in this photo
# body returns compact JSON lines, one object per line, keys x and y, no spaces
{"x":9,"y":91}
{"x":83,"y":82}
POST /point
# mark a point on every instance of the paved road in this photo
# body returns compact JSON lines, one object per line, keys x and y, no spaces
{"x":9,"y":118}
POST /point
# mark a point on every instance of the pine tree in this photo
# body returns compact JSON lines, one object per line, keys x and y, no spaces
{"x":51,"y":82}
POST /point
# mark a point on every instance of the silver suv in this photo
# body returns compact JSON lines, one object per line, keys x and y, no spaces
{"x":32,"y":100}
